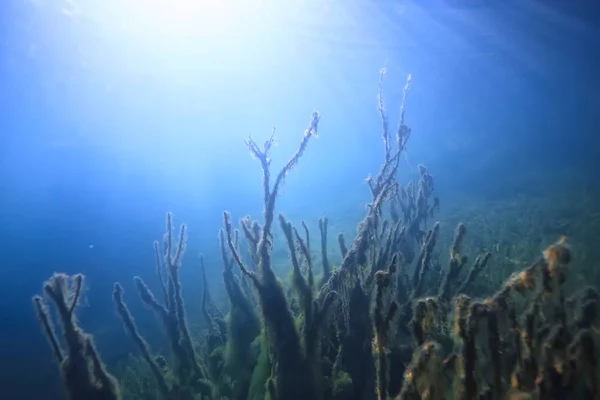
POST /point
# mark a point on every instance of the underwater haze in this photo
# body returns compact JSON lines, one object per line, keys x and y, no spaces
{"x":114,"y":113}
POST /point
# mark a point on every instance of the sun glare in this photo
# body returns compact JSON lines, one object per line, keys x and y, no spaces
{"x":200,"y":17}
{"x":201,"y":11}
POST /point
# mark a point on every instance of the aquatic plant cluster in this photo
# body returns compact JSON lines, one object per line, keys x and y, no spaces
{"x":392,"y":321}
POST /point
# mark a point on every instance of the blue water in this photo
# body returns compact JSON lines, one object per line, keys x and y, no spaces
{"x":114,"y":112}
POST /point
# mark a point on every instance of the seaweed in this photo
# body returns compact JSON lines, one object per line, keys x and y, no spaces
{"x":393,"y":321}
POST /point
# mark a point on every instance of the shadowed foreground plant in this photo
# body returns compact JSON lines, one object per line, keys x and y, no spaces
{"x":83,"y":374}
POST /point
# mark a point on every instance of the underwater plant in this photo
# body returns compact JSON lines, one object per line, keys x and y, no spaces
{"x":393,"y":321}
{"x":83,"y":374}
{"x":187,"y":377}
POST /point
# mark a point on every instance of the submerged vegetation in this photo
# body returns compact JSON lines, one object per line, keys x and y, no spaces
{"x":395,"y":320}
